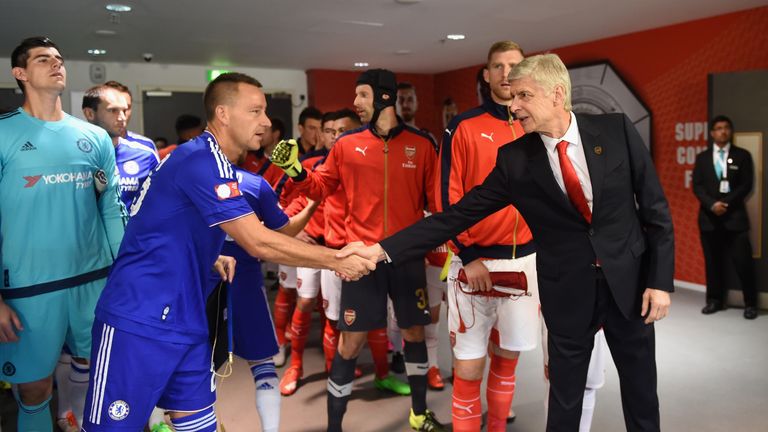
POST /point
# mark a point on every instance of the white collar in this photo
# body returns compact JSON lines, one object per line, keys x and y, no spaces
{"x":726,"y":148}
{"x":571,"y":135}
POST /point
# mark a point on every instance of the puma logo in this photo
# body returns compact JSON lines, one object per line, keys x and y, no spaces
{"x":490,"y":137}
{"x":467,"y":408}
{"x":361,"y":150}
{"x":449,"y":132}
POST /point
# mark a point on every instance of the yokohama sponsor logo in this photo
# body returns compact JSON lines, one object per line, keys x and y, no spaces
{"x":81,"y":179}
{"x":67,"y":177}
{"x":31,"y":180}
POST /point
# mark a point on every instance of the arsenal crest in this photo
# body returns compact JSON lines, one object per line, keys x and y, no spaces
{"x":410,"y":152}
{"x":349,"y":316}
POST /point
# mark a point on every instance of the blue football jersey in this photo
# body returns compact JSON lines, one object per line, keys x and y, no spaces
{"x":159,"y":282}
{"x":141,"y":139}
{"x":262,"y":199}
{"x":264,"y":202}
{"x":136,"y":156}
{"x":253,"y":330}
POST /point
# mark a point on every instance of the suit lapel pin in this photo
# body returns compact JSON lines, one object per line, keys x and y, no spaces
{"x":598,"y":150}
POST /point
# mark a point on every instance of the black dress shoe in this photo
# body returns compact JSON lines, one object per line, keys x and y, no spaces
{"x":750,"y":312}
{"x":712,"y":307}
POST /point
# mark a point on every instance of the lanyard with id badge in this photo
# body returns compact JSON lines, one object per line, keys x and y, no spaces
{"x":722,"y":166}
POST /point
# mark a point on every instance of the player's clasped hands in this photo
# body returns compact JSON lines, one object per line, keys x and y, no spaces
{"x":374,"y":252}
{"x":353,"y":267}
{"x":358,"y":259}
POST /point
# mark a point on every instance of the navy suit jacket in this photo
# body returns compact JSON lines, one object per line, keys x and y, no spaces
{"x":706,"y":187}
{"x":631,"y":231}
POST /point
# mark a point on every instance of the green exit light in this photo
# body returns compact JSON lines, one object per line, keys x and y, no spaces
{"x":213,"y":73}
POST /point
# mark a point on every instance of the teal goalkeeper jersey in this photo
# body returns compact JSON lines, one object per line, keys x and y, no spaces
{"x":61,"y":220}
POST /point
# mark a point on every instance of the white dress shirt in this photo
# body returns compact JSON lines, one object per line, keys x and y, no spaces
{"x":575,"y":152}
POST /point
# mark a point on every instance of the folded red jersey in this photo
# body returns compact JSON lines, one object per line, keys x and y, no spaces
{"x":505,"y":284}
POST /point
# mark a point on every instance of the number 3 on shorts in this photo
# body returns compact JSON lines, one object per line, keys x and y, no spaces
{"x":422,"y":295}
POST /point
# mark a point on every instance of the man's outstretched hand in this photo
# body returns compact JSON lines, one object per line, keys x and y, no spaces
{"x":353,"y":267}
{"x":286,"y":156}
{"x":372,"y":253}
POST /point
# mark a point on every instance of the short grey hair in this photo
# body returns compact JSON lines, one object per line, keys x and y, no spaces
{"x":548,"y":71}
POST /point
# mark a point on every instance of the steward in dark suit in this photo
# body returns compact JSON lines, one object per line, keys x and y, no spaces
{"x":722,"y":179}
{"x":587,"y":187}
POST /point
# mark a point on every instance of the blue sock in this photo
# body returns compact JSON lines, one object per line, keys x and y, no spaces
{"x":35,"y":418}
{"x":201,"y":421}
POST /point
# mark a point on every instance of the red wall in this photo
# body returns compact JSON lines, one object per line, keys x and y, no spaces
{"x":667,"y":67}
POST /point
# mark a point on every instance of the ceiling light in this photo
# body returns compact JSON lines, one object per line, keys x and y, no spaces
{"x":361,"y":64}
{"x":105,"y":32}
{"x":117,"y":7}
{"x":455,"y":37}
{"x":97,"y":52}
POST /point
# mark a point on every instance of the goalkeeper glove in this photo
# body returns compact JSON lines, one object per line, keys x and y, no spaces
{"x":286,"y":156}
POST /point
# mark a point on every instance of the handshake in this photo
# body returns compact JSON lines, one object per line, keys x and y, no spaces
{"x":357,"y":260}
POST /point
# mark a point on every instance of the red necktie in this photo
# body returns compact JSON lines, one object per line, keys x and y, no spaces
{"x":572,"y":185}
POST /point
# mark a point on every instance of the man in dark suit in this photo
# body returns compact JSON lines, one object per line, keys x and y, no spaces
{"x":587,"y":187}
{"x":722,"y":180}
